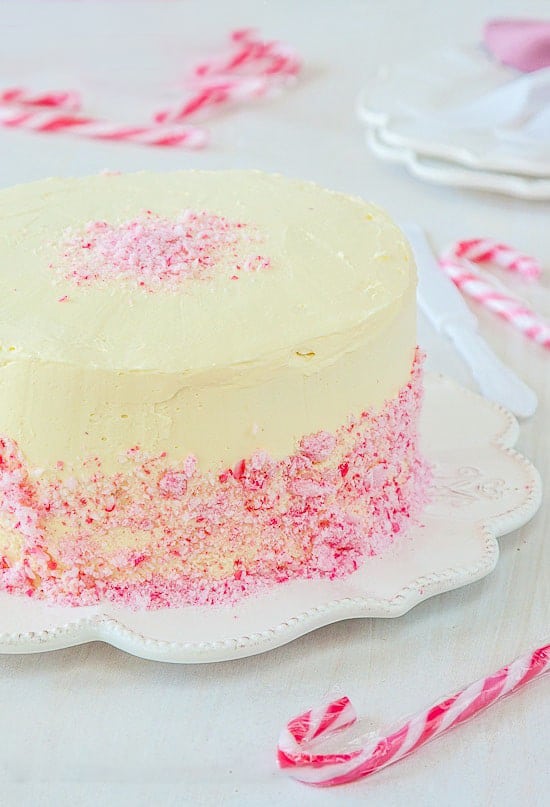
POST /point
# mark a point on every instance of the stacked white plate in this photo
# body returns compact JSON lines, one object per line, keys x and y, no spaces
{"x":457,"y":117}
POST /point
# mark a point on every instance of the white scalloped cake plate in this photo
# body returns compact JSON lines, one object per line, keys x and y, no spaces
{"x":443,"y":172}
{"x":409,"y":104}
{"x":482,"y":489}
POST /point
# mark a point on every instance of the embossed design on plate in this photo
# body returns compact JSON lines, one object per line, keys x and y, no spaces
{"x":459,"y":487}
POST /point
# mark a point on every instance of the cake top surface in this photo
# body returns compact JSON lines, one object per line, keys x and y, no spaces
{"x":193,"y":271}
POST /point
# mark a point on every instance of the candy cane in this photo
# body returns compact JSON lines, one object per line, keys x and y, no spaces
{"x":297,"y":742}
{"x":57,"y":121}
{"x":460,"y":261}
{"x":282,"y":58}
{"x":221,"y":81}
{"x":65,"y":99}
{"x":278,"y":57}
{"x":220,"y":91}
{"x":485,"y":250}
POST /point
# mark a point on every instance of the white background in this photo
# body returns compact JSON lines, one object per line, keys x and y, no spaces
{"x":92,"y":725}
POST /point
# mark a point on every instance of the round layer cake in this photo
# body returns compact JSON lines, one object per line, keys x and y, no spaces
{"x":209,"y":384}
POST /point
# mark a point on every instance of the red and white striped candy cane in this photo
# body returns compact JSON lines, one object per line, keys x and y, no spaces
{"x":296,"y":749}
{"x":59,"y":122}
{"x":280,"y":59}
{"x":485,"y":250}
{"x":267,"y":57}
{"x":61,"y":99}
{"x":460,"y":263}
{"x":219,"y":91}
{"x":222,"y":81}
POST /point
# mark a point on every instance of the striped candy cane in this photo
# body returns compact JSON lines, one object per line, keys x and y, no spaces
{"x":485,"y":250}
{"x":296,"y":749}
{"x":222,"y":81}
{"x":269,"y":58}
{"x":217,"y":92}
{"x":460,"y":263}
{"x":65,"y":99}
{"x":57,"y":121}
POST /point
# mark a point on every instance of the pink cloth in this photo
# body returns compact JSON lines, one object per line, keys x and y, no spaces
{"x":523,"y":44}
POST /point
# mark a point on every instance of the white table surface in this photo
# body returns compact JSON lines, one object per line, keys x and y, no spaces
{"x":92,"y":725}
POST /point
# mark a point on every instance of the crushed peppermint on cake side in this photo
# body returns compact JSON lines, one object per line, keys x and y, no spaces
{"x":161,"y":533}
{"x":152,"y":252}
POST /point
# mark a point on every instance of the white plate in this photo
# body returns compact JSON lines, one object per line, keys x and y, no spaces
{"x":413,"y":106}
{"x":447,"y":173}
{"x":482,"y":489}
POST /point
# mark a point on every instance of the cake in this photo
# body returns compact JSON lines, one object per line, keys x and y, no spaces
{"x":209,"y":385}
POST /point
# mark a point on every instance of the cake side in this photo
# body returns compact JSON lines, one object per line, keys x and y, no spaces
{"x":159,"y":534}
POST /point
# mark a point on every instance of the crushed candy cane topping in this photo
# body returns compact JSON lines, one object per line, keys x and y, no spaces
{"x":162,"y":533}
{"x":153,"y":253}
